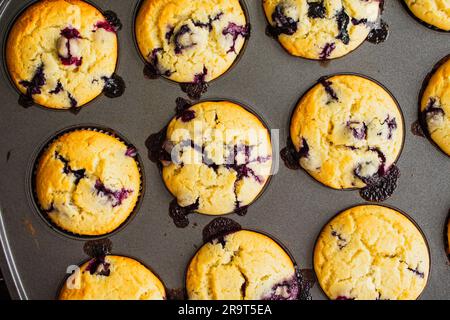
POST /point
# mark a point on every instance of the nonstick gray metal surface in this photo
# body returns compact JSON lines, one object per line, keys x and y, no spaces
{"x":294,"y":207}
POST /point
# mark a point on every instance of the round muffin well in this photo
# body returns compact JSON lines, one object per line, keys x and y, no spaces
{"x":87,"y":182}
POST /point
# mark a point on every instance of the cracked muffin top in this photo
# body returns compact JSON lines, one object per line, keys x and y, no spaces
{"x":347,"y":130}
{"x":435,"y":13}
{"x":321,"y":29}
{"x":112,"y":278}
{"x":435,"y":107}
{"x":371,"y":252}
{"x":60,"y":53}
{"x":191,"y":41}
{"x":244,"y":265}
{"x":88,"y":182}
{"x":219,"y":157}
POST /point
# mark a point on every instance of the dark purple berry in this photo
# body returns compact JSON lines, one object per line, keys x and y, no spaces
{"x":98,"y":248}
{"x":329,"y":89}
{"x":198,"y":87}
{"x":114,"y":86}
{"x":78,"y":174}
{"x":209,"y":24}
{"x":176,"y":39}
{"x":180,"y":214}
{"x":113,"y":20}
{"x":291,"y":157}
{"x":33,"y":87}
{"x":116,"y":197}
{"x":359,"y":130}
{"x":282,"y":24}
{"x":327,"y":51}
{"x":392,"y":126}
{"x":111,"y":23}
{"x":236,"y":31}
{"x":357,"y":22}
{"x":99,"y":267}
{"x":155,"y":145}
{"x":382,"y":187}
{"x":58,"y":88}
{"x":379,"y":34}
{"x":343,"y":20}
{"x":70,"y":33}
{"x":290,"y":289}
{"x":317,"y":10}
{"x":219,"y":228}
{"x":152,"y":69}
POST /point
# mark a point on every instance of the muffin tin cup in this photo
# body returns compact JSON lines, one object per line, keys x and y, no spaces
{"x":364,"y":77}
{"x":67,"y":276}
{"x":423,"y":23}
{"x":32,"y":195}
{"x":13,"y":86}
{"x":275,"y":239}
{"x":422,"y":120}
{"x":274,"y":156}
{"x":378,"y":205}
{"x":165,"y":78}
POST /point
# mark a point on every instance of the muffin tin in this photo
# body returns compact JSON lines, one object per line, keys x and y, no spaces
{"x":294,"y":207}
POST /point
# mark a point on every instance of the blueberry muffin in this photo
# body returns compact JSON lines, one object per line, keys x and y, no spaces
{"x":244,"y":265}
{"x":87,"y":182}
{"x":112,"y":278}
{"x":435,"y":107}
{"x":435,"y":13}
{"x":218,"y":157}
{"x":347,"y":131}
{"x":191,"y":41}
{"x":321,"y":29}
{"x":61,"y":54}
{"x":371,"y":252}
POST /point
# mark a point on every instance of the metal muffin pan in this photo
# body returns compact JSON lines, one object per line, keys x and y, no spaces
{"x":294,"y":208}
